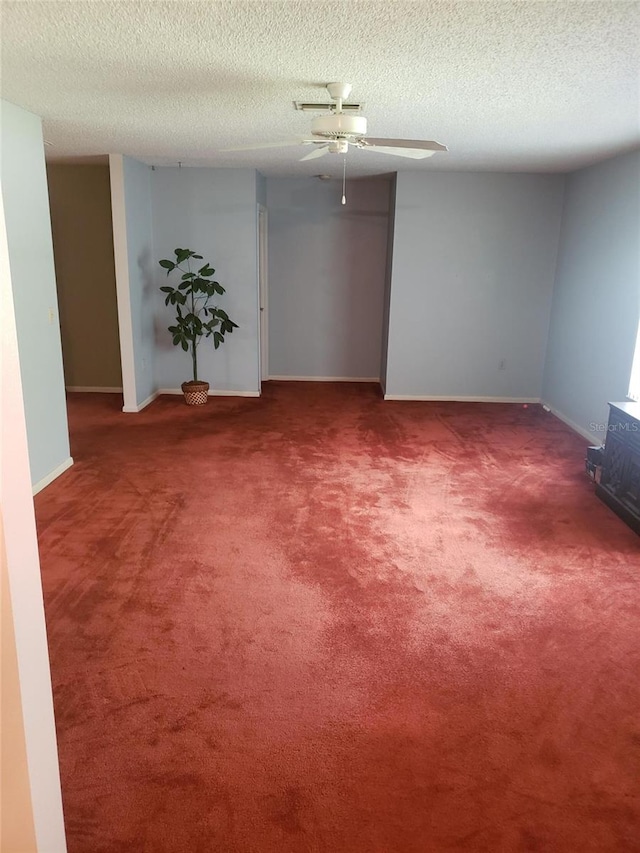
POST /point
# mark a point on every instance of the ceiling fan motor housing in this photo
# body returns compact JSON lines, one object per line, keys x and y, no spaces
{"x":339,"y":126}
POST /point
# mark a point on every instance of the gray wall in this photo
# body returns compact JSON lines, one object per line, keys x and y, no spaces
{"x":80,"y":199}
{"x":473,"y":270}
{"x":597,"y":295}
{"x":212,"y":211}
{"x":137,"y":191}
{"x":26,"y":207}
{"x":326,"y":276}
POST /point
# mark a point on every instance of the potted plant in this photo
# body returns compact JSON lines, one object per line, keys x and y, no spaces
{"x":195,"y":316}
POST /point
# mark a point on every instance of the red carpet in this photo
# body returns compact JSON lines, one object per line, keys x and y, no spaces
{"x":318,"y":622}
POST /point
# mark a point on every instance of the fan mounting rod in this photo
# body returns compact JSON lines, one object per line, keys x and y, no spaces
{"x":339,"y":92}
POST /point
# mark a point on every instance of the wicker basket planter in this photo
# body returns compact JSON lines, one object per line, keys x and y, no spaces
{"x":195,"y":393}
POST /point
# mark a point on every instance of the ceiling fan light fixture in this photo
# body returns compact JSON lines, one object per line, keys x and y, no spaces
{"x":340,"y":146}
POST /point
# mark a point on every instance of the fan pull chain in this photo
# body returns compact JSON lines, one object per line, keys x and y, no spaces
{"x":344,"y":181}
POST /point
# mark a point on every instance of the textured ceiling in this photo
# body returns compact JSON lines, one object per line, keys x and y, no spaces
{"x":526,"y":86}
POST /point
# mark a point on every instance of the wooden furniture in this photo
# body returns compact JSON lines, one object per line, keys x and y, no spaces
{"x":619,"y":485}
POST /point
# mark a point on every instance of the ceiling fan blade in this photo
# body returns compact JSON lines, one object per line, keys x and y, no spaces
{"x":424,"y":144}
{"x":413,"y":153}
{"x":317,"y":152}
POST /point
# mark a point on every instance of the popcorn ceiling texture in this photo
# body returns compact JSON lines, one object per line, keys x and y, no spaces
{"x":525,"y":86}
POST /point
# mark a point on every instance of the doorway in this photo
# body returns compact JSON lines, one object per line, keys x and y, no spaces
{"x":81,"y":226}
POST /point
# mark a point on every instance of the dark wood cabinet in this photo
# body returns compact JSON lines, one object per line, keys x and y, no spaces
{"x":619,"y":485}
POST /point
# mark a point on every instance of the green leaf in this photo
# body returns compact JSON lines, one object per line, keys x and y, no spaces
{"x":198,"y":288}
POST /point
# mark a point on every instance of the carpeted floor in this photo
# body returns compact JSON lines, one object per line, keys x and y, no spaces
{"x":320,"y":622}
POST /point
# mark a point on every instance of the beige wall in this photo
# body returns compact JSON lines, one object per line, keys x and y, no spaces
{"x":17,"y":831}
{"x":80,"y":200}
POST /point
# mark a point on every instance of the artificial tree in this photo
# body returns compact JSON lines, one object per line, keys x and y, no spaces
{"x":195,"y":316}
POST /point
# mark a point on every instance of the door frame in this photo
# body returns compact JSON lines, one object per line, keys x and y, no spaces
{"x":263,"y":292}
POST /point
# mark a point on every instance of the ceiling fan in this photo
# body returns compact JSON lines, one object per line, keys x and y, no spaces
{"x":334,"y":133}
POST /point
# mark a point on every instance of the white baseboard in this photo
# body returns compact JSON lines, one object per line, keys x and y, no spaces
{"x":84,"y":389}
{"x":327,"y":378}
{"x":142,"y":405}
{"x":460,"y":399}
{"x":53,"y":475}
{"x":213,"y":392}
{"x":583,"y":433}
